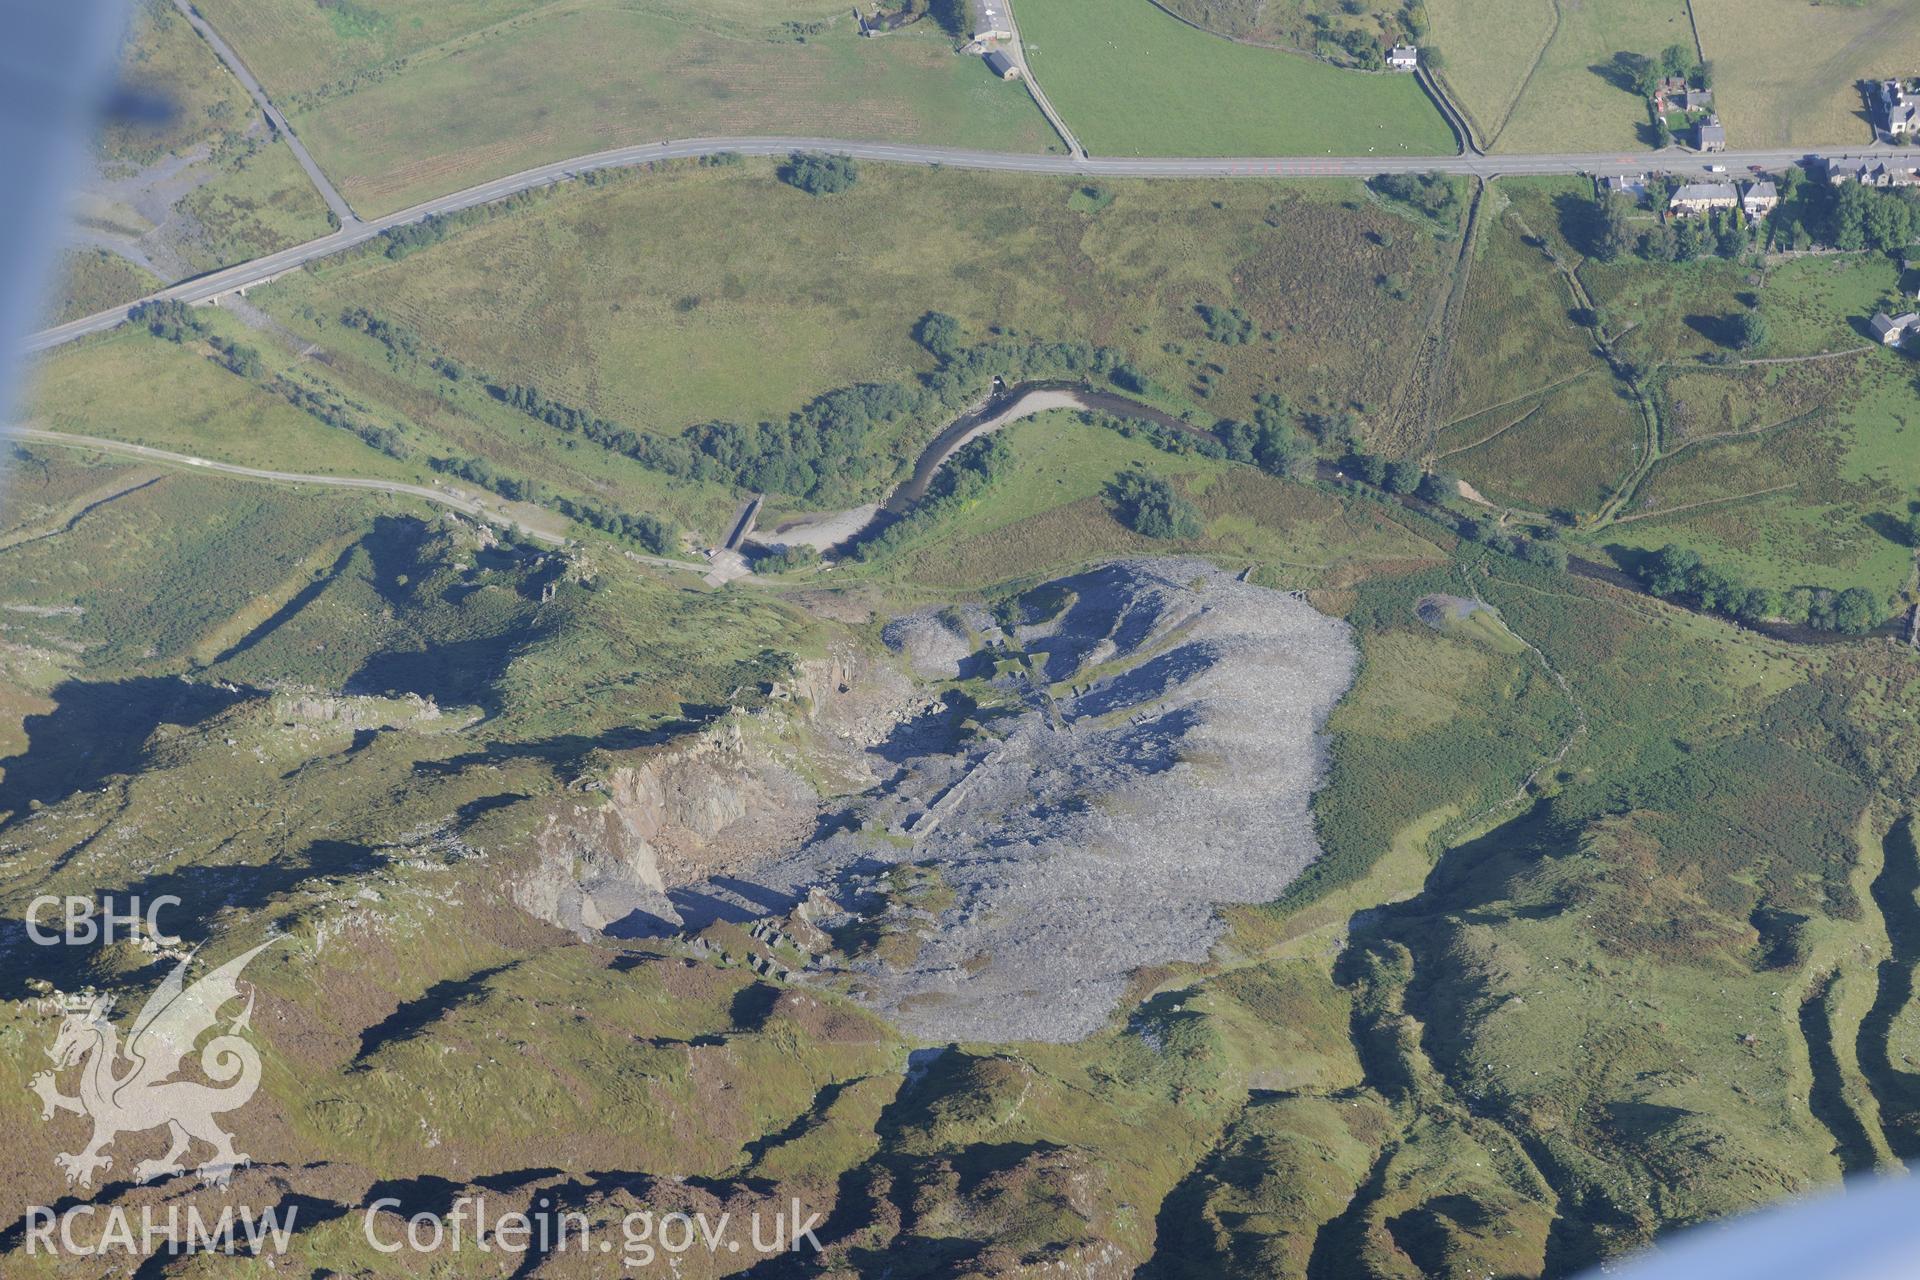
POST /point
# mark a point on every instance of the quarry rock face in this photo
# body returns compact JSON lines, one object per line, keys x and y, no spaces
{"x":712,"y":800}
{"x":1154,"y":754}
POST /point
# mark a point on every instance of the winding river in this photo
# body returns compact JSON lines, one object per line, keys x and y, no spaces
{"x":1025,"y":399}
{"x":1003,"y":408}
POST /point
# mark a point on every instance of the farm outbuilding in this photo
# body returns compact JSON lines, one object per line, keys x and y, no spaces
{"x":991,"y":20}
{"x":1003,"y":66}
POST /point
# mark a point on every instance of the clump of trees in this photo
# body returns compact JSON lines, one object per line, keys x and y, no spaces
{"x":331,"y":410}
{"x":403,"y":240}
{"x":1402,"y":476}
{"x":649,"y":531}
{"x":819,"y":173}
{"x":1679,"y":573}
{"x":483,"y":473}
{"x":1534,"y":548}
{"x":400,"y":341}
{"x":1675,"y":60}
{"x":1848,"y":216}
{"x":1721,"y":233}
{"x":240,"y":359}
{"x":1148,"y":505}
{"x":968,"y":473}
{"x":787,"y":559}
{"x":1229,"y":326}
{"x":165,"y":318}
{"x":939,"y":333}
{"x":1271,"y":442}
{"x":1433,"y":194}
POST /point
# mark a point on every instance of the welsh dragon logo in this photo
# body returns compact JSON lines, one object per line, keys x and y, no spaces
{"x":144,"y":1095}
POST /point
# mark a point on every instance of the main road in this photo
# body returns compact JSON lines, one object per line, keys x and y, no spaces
{"x":244,"y":275}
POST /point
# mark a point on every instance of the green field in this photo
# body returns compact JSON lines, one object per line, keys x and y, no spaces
{"x":664,"y":328}
{"x":1516,"y":336}
{"x":1130,"y":80}
{"x":418,"y":100}
{"x":92,"y":280}
{"x":1568,"y":449}
{"x":188,"y":404}
{"x":1047,"y":514}
{"x":1786,"y":72}
{"x":1537,"y":77}
{"x":1827,"y":458}
{"x":1321,"y":27}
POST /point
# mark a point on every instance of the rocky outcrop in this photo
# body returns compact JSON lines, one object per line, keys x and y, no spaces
{"x":737,"y":793}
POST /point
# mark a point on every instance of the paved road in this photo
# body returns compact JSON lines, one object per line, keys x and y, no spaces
{"x":335,"y":201}
{"x":227,"y":280}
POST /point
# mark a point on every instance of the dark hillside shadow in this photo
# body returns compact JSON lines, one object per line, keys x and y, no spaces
{"x":460,"y":673}
{"x":1721,"y":330}
{"x":1895,"y":1086}
{"x":98,"y":729}
{"x":1890,"y":527}
{"x":416,"y":1015}
{"x":204,"y":889}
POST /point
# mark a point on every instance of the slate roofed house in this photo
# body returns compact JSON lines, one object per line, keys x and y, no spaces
{"x":1712,"y":135}
{"x":1003,"y":66}
{"x":1893,"y":330}
{"x":1673,"y":93}
{"x":1403,"y":57}
{"x":1703,"y":197}
{"x":1873,"y":175}
{"x":1902,"y":108}
{"x":1759,"y":200}
{"x":1634,"y":187}
{"x":991,"y":20}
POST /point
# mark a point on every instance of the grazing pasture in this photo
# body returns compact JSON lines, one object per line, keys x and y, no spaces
{"x":586,"y":75}
{"x":1536,"y":76}
{"x":1131,"y":80}
{"x":1786,"y":71}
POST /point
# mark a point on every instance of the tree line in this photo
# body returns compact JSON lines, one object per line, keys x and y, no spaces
{"x":1679,"y":573}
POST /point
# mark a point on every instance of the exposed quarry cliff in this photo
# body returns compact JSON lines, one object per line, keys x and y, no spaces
{"x":738,"y":791}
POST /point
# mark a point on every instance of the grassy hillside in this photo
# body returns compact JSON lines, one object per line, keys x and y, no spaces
{"x":661,"y":329}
